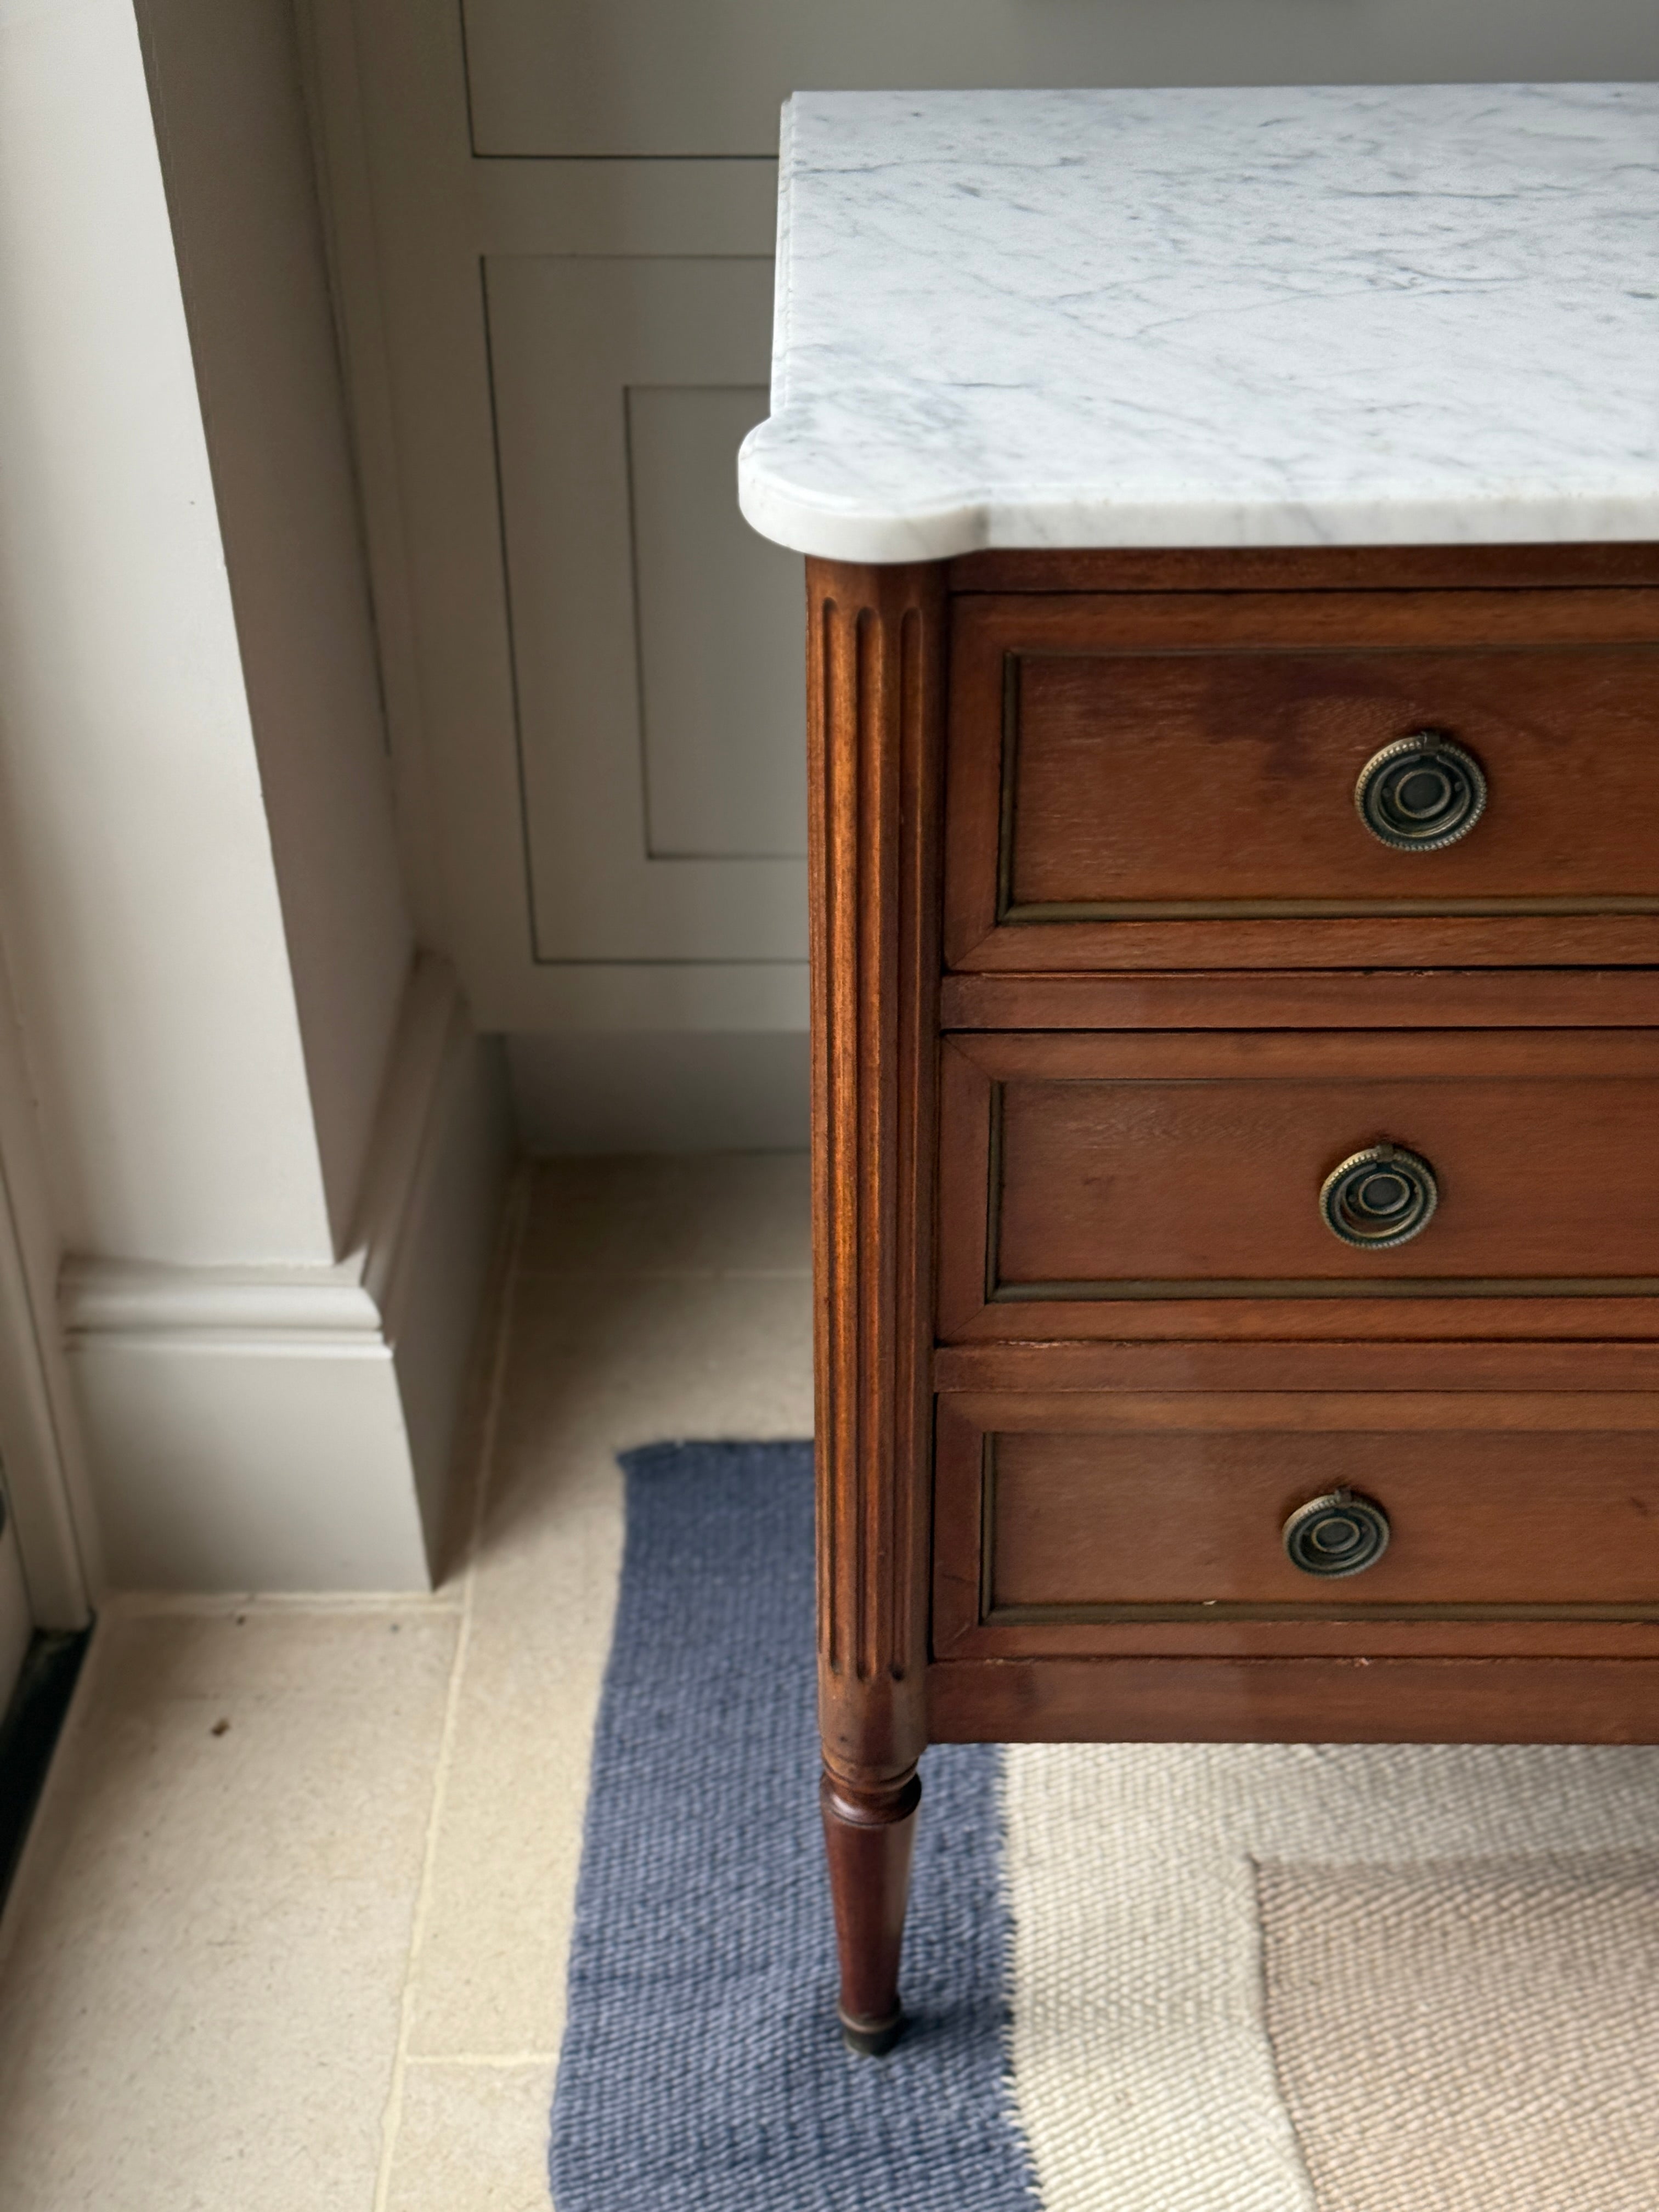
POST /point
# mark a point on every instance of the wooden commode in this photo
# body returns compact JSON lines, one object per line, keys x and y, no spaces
{"x":1235,"y":938}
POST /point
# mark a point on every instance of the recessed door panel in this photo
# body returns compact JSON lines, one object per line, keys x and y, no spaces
{"x":722,"y":636}
{"x":658,"y":644}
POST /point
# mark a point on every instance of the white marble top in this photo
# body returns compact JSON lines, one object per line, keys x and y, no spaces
{"x":1329,"y":315}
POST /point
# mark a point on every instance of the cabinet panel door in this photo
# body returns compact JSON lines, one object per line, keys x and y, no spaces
{"x":707,"y":76}
{"x":658,"y":643}
{"x":720,"y":618}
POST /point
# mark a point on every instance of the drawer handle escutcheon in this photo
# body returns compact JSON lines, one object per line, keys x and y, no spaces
{"x":1340,"y":1534}
{"x":1421,"y":793}
{"x":1382,"y":1196}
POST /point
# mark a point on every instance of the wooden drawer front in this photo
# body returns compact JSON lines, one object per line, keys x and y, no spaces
{"x":1071,"y":1522}
{"x":1091,"y":1184}
{"x":1169,"y":779}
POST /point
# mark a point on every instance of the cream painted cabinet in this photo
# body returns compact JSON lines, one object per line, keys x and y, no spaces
{"x":648,"y":621}
{"x":552,"y":222}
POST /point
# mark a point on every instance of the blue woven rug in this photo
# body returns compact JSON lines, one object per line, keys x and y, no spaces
{"x":703,"y":2070}
{"x":1121,"y":1973}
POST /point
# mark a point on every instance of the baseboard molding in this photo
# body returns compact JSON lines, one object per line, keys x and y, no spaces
{"x":723,"y":997}
{"x":588,"y":1092}
{"x":279,"y":1428}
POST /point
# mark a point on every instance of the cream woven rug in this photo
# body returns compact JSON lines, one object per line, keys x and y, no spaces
{"x":1141,"y":1978}
{"x":1467,"y":2032}
{"x":1317,"y":1979}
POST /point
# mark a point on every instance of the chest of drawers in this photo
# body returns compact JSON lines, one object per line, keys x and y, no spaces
{"x":1236,"y":938}
{"x":1134,"y":1421}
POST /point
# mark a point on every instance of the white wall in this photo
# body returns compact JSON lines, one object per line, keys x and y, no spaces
{"x":198,"y":892}
{"x":236,"y":161}
{"x":645,"y":77}
{"x":141,"y":902}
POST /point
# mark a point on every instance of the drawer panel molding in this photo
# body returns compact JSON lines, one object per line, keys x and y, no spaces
{"x":1123,"y":769}
{"x":1071,"y":1523}
{"x":1118,"y":1171}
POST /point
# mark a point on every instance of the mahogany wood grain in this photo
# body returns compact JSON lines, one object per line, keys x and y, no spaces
{"x":1448,"y":1364}
{"x":1314,"y":1635}
{"x":1504,"y":941}
{"x":1413,"y":1321}
{"x":1527,"y":997}
{"x":1228,"y":777}
{"x":1169,"y":779}
{"x":875,"y":715}
{"x":1162,"y":1345}
{"x":1308,"y":569}
{"x":869,"y":1836}
{"x":1328,"y":1701}
{"x":876,"y":707}
{"x":1319,"y":1413}
{"x":1075,"y":1525}
{"x":1125,"y":1172}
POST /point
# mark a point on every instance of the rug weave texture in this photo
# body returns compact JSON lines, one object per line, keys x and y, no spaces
{"x":1500,"y":2018}
{"x":1142,"y":1978}
{"x":701,"y":2069}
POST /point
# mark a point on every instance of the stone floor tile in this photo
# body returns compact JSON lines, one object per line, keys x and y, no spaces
{"x":208,"y":1945}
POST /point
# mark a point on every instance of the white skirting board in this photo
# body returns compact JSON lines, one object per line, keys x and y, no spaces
{"x":273,"y":1429}
{"x":659,"y":1090}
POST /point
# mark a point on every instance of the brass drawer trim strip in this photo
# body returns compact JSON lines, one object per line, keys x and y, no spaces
{"x":1399,"y":1286}
{"x":1067,"y":1616}
{"x":1097,"y":1290}
{"x":1187,"y":1612}
{"x":1009,"y":912}
{"x":1314,"y":910}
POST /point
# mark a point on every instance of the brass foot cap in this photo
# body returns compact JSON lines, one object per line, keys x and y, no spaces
{"x":870,"y":2039}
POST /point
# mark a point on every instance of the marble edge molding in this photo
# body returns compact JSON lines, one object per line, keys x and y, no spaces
{"x":782,"y":266}
{"x":877,"y":451}
{"x":1078,"y":520}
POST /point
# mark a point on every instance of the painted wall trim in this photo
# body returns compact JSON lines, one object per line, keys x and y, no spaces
{"x":637,"y":995}
{"x":282,"y":1428}
{"x":216,"y":1305}
{"x":40,"y":1444}
{"x":359,"y":1298}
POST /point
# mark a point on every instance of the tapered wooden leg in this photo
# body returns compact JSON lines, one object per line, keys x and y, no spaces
{"x":868,"y":1834}
{"x":876,"y":720}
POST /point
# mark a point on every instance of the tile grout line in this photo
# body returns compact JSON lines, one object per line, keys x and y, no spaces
{"x":166,"y":1605}
{"x":391,"y":2118}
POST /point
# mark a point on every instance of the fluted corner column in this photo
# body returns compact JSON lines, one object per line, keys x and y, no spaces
{"x":876,"y":719}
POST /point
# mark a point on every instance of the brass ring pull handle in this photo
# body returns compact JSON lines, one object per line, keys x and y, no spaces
{"x":1340,"y":1534}
{"x":1421,"y":793}
{"x":1380,"y":1197}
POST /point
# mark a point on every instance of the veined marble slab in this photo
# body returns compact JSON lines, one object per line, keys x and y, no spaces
{"x":1326,"y":315}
